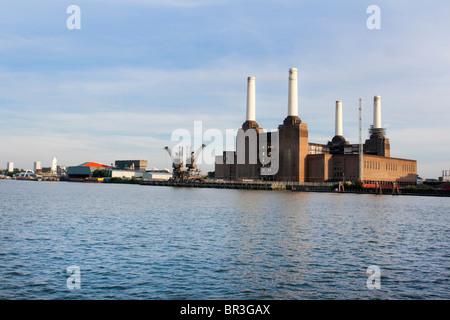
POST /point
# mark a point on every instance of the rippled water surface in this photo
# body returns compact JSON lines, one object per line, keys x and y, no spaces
{"x":145,"y":242}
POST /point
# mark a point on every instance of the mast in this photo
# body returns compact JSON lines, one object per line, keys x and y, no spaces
{"x":360,"y":151}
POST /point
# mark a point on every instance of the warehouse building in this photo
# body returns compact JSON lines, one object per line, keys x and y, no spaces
{"x":85,"y":170}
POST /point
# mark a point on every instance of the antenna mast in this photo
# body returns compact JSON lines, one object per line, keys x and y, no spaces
{"x":360,"y":151}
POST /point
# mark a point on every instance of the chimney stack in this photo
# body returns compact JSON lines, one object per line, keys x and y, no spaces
{"x":293,"y":93}
{"x":251,"y":99}
{"x":338,"y":123}
{"x":377,"y":112}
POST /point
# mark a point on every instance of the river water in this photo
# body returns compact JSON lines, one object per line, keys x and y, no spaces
{"x":148,"y":242}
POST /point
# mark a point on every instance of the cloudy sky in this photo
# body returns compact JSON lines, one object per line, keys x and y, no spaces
{"x":139,"y":69}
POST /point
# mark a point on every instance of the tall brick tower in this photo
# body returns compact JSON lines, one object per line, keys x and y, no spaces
{"x":247,"y":140}
{"x":293,"y":138}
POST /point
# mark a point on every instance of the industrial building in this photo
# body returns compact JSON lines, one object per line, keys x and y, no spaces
{"x":157,"y":175}
{"x":85,"y":170}
{"x":138,"y":165}
{"x":124,"y":169}
{"x":37,"y":166}
{"x":446,"y":175}
{"x":295,"y":159}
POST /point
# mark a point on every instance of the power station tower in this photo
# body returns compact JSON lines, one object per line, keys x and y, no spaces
{"x":361,"y":147}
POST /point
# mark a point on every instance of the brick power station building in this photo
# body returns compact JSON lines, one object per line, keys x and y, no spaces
{"x":295,"y":159}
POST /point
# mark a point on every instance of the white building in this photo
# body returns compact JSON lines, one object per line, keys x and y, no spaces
{"x":37,"y":166}
{"x":54,"y":166}
{"x":127,"y":174}
{"x":446,"y":175}
{"x":10,"y":166}
{"x":155,"y":174}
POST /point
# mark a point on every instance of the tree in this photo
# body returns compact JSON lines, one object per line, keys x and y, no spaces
{"x":359,"y":184}
{"x":100,"y":173}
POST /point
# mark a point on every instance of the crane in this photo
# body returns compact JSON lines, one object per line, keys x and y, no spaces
{"x":191,"y":164}
{"x":177,"y":158}
{"x":191,"y":171}
{"x":178,"y":174}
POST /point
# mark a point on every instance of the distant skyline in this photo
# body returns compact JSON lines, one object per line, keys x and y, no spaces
{"x":138,"y":70}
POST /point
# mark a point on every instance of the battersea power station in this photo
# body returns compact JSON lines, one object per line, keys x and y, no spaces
{"x":287,"y":154}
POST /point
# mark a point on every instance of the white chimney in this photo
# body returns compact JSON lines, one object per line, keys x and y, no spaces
{"x":251,"y":99}
{"x":338,"y":124}
{"x":54,"y":166}
{"x":293,"y":93}
{"x":377,"y":112}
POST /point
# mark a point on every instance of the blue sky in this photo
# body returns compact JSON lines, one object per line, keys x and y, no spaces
{"x":137,"y":70}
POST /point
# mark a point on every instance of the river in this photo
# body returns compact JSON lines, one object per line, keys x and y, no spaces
{"x":66,"y":240}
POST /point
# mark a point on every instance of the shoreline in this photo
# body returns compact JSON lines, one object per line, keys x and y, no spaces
{"x":327,"y":187}
{"x":294,"y":187}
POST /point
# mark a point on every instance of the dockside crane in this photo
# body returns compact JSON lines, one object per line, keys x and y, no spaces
{"x":191,"y":171}
{"x":191,"y":164}
{"x":178,"y":174}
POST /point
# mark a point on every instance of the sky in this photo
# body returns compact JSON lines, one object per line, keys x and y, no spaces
{"x":137,"y":70}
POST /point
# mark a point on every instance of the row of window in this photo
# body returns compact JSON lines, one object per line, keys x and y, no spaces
{"x":371,"y":165}
{"x":389,"y":166}
{"x":408,"y":167}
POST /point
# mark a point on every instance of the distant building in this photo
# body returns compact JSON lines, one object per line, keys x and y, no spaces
{"x":124,"y":174}
{"x":37,"y":166}
{"x":85,"y":170}
{"x":157,"y":175}
{"x":54,"y":166}
{"x":138,"y":165}
{"x":10,"y":166}
{"x":446,"y":175}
